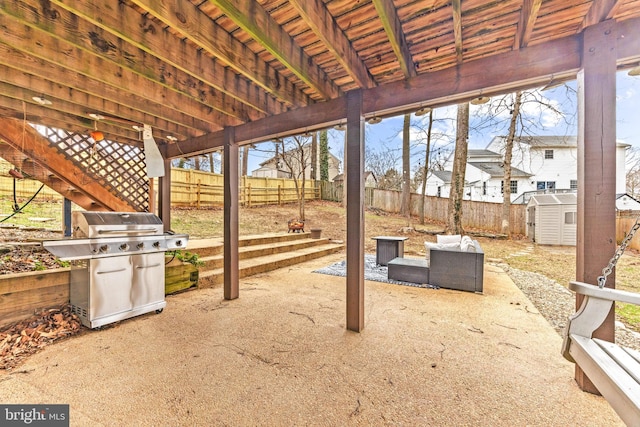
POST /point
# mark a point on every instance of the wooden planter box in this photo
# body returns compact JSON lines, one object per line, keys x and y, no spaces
{"x":179,"y":276}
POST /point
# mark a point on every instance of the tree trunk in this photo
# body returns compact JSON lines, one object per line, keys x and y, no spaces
{"x":196,"y":163}
{"x":324,"y":156}
{"x":426,"y":167}
{"x":314,"y":156}
{"x":508,"y":152}
{"x":245,"y":160}
{"x":406,"y":169}
{"x":211,"y":169}
{"x":454,"y":210}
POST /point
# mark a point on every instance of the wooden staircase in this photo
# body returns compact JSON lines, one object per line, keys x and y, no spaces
{"x":64,"y":162}
{"x":259,"y":254}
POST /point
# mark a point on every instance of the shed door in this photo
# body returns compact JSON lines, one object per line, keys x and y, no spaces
{"x":531,"y":225}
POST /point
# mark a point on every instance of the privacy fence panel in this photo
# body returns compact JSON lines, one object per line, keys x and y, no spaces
{"x":204,"y":189}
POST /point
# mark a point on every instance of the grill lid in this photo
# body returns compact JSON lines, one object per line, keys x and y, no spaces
{"x":114,"y":224}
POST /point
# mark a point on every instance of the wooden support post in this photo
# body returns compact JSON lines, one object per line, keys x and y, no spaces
{"x":355,"y":211}
{"x":248,"y":203}
{"x":231,"y":229}
{"x":596,"y":239}
{"x":66,"y":217}
{"x":279,"y":195}
{"x":164,"y":196}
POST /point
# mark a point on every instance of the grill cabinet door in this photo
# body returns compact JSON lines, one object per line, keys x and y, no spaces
{"x":148,"y":279}
{"x":110,"y":286}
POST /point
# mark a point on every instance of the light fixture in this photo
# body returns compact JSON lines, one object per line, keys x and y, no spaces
{"x":95,"y":133}
{"x":374,"y":120}
{"x":635,"y":71}
{"x":480,"y":100}
{"x":171,"y":138}
{"x":96,"y":116}
{"x":422,"y":111}
{"x":41,"y":100}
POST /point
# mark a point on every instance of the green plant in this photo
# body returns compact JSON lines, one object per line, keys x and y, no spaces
{"x":39,"y":266}
{"x":188,"y":257}
{"x":63,"y":263}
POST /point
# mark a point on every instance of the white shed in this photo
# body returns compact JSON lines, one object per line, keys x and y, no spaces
{"x":551,"y":219}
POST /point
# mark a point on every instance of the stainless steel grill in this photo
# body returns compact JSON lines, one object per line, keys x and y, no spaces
{"x":117,"y":268}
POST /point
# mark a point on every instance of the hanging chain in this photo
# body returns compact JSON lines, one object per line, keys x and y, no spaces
{"x":616,"y":256}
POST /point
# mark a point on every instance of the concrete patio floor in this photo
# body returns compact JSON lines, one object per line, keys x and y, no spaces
{"x":280,"y":355}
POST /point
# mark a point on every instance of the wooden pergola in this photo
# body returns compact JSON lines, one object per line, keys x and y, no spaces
{"x":219,"y":74}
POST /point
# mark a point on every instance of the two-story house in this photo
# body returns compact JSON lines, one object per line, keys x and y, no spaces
{"x":539,"y":164}
{"x":275,"y":167}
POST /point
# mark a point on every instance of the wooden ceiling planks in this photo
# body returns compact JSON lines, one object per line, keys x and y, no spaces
{"x":191,"y":68}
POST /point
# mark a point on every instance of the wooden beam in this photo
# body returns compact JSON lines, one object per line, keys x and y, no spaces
{"x":252,"y":18}
{"x":201,"y":30}
{"x":600,"y":11}
{"x":231,"y":220}
{"x":321,"y":22}
{"x":393,"y":28}
{"x":102,"y":59}
{"x":526,"y":68}
{"x":355,"y":211}
{"x":39,"y":67}
{"x":78,"y":102}
{"x":141,"y":32}
{"x":457,"y":28}
{"x":27,"y":140}
{"x":528,"y":16}
{"x":596,"y":228}
{"x":12,"y":98}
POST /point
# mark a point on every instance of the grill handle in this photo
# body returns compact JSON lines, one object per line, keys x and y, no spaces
{"x":138,"y":231}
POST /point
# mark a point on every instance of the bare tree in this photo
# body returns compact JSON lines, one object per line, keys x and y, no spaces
{"x":633,"y":171}
{"x":383,"y":163}
{"x":454,"y":210}
{"x":508,"y":153}
{"x":425,"y":174}
{"x":406,"y":169}
{"x":295,"y":156}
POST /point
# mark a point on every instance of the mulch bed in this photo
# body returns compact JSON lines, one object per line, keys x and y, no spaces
{"x":28,"y":336}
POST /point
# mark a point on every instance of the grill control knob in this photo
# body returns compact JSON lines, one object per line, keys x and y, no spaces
{"x":156,"y":245}
{"x":104,"y":249}
{"x":124,"y":247}
{"x":178,"y":243}
{"x":140,"y":245}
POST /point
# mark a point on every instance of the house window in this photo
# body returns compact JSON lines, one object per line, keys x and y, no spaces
{"x":573,"y":184}
{"x":513,"y":186}
{"x":484,"y":188}
{"x":546,"y":185}
{"x":548,"y":154}
{"x":570,"y":217}
{"x":439,"y":192}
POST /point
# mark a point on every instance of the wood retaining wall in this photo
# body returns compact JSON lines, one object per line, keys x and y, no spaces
{"x":23,"y":294}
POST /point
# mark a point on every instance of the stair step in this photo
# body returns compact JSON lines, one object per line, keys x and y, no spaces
{"x":261,"y":264}
{"x":254,"y":251}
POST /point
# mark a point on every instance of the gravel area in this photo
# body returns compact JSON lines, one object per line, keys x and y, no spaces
{"x":556,"y":303}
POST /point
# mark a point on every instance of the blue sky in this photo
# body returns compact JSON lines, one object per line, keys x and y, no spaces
{"x":387,"y":135}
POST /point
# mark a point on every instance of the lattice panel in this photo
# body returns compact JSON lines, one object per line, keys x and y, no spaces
{"x":118,"y":167}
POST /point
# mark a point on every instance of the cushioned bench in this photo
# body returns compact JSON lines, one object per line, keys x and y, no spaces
{"x":454,"y":268}
{"x":409,"y":270}
{"x":614,"y":370}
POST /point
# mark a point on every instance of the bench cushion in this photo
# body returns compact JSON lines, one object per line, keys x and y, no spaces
{"x":409,"y":270}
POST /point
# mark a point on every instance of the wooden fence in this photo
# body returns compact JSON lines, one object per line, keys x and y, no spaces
{"x":203,"y":189}
{"x":483,"y":215}
{"x":624,"y":223}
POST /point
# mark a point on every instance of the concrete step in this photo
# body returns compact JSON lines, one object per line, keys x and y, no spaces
{"x":264,"y":263}
{"x":210,"y":247}
{"x":253,"y":251}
